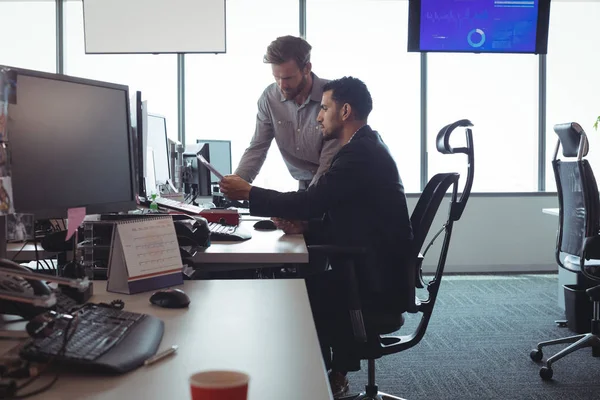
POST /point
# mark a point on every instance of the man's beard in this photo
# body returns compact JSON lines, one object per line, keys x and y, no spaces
{"x":299,"y":88}
{"x":335,"y":134}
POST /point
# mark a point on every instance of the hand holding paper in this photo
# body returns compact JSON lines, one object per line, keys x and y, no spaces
{"x":235,"y":188}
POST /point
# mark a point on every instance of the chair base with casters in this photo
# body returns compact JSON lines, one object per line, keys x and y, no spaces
{"x":591,"y":339}
{"x":371,"y":390}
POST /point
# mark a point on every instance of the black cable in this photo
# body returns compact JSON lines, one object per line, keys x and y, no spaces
{"x":20,"y":250}
{"x":37,"y":255}
{"x":66,"y":338}
{"x":50,"y":265}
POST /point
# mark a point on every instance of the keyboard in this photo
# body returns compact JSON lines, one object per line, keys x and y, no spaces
{"x":227,"y":233}
{"x":105,"y":340}
{"x":177,"y":205}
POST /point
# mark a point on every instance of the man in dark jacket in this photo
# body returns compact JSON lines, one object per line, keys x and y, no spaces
{"x":361,"y":202}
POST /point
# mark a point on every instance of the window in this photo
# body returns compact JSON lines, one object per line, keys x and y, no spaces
{"x":573,"y":93}
{"x":30,"y":34}
{"x":222,"y":89}
{"x":154,"y":75}
{"x":498,"y":93}
{"x":370,"y":44}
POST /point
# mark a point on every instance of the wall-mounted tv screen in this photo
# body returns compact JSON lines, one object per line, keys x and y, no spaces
{"x":479,"y":26}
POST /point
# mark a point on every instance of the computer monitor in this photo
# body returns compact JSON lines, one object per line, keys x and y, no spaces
{"x":220,"y":156}
{"x":157,"y":140}
{"x":196,"y":177}
{"x":479,"y":26}
{"x":70,"y":145}
{"x":139,"y":119}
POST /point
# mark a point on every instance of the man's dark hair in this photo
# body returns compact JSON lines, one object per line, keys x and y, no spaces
{"x":352,"y":91}
{"x":286,"y":48}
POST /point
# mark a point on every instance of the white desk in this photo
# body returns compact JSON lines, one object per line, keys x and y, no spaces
{"x":262,"y":327}
{"x":27,"y":252}
{"x":265,"y":247}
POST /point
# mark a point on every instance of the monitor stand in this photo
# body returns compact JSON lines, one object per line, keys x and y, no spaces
{"x":167,"y":189}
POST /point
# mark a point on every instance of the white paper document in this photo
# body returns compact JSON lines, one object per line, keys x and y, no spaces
{"x":210,"y":167}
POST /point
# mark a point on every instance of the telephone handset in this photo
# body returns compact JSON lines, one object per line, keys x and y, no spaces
{"x":23,"y":286}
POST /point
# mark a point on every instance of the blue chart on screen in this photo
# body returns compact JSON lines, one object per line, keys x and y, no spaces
{"x":479,"y":25}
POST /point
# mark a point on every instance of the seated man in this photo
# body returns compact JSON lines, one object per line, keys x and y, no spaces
{"x":362,"y":203}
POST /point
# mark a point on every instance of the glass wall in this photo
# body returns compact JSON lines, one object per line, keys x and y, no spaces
{"x":378,"y":57}
{"x":498,"y":93}
{"x":154,"y":75}
{"x":29,"y":39}
{"x":573,"y":75}
{"x":222,"y":89}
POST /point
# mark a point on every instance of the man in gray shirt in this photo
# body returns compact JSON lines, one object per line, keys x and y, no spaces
{"x":287,"y":111}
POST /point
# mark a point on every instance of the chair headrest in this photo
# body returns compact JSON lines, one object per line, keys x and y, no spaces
{"x":569,"y":135}
{"x":443,"y":137}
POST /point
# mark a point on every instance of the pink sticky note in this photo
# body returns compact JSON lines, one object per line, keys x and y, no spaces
{"x":75,"y":218}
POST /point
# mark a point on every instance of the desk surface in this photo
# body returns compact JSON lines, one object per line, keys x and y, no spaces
{"x":271,"y":247}
{"x":262,"y":327}
{"x":26,"y":252}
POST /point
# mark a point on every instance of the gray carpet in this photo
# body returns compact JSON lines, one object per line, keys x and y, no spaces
{"x":478,"y":342}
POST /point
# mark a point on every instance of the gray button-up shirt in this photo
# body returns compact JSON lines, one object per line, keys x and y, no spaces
{"x":296,"y":133}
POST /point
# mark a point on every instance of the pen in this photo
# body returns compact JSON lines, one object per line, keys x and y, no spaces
{"x":161,"y":355}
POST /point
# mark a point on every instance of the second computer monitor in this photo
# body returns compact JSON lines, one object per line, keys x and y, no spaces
{"x":220,"y":156}
{"x":157,"y":141}
{"x":196,"y":177}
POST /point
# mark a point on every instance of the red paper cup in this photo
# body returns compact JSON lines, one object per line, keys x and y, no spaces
{"x":219,"y":385}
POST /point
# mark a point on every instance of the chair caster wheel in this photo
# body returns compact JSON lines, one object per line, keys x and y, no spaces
{"x":536,"y":355}
{"x":546,"y":373}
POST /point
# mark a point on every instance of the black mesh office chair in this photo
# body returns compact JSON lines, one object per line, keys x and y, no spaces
{"x":577,"y":237}
{"x":372,"y":328}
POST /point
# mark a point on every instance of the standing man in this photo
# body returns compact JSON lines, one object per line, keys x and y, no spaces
{"x":362,"y":199}
{"x":287,"y":111}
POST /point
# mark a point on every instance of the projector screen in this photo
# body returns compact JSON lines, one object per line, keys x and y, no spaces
{"x":154,"y":26}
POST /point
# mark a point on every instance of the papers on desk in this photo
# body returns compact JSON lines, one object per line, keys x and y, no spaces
{"x":144,"y":256}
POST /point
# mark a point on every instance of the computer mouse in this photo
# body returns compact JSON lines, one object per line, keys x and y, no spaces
{"x":170,"y":298}
{"x":265,"y":225}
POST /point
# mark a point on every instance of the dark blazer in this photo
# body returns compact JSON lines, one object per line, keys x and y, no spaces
{"x":363,"y":200}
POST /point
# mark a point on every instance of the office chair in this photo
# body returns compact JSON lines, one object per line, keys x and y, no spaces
{"x":372,"y":328}
{"x":578,"y":239}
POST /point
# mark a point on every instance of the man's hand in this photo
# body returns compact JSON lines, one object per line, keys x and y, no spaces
{"x":235,"y":188}
{"x":290,"y":227}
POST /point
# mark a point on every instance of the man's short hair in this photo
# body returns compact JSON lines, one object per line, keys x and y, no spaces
{"x":286,"y":48}
{"x":352,"y":91}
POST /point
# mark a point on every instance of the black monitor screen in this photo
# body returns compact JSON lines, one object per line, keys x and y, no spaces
{"x":70,"y":145}
{"x":479,"y":26}
{"x":196,"y":177}
{"x":220,"y":156}
{"x":157,"y":141}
